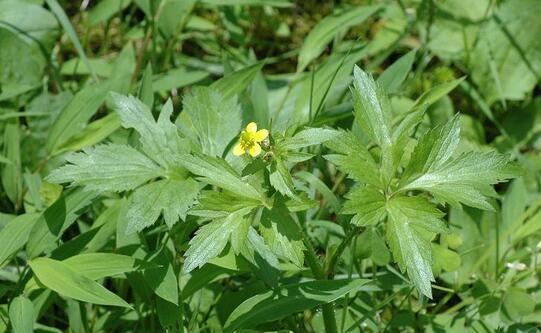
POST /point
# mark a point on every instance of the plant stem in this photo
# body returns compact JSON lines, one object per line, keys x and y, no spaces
{"x":329,"y":320}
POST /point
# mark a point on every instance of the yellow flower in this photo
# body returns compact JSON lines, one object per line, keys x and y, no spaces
{"x":249,"y":140}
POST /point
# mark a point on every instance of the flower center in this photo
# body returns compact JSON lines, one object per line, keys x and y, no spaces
{"x":247,"y":140}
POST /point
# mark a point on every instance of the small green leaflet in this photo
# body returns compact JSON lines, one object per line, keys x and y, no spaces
{"x":212,"y":238}
{"x":21,"y":315}
{"x":368,"y":205}
{"x":412,"y":223}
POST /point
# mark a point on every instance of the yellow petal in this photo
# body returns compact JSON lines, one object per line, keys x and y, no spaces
{"x":261,"y":135}
{"x":255,"y":150}
{"x":237,"y":151}
{"x":251,"y":128}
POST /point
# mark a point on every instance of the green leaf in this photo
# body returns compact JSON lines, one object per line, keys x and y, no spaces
{"x":281,"y":179}
{"x":467,"y":178}
{"x":373,"y":114}
{"x":215,"y":119}
{"x":107,"y":168}
{"x":282,"y":234}
{"x":357,"y":167}
{"x":172,"y":197}
{"x":234,"y":83}
{"x":105,"y":9}
{"x":392,"y":78}
{"x":328,"y":28}
{"x":68,"y":28}
{"x":15,"y":234}
{"x":97,"y":266}
{"x":212,"y":204}
{"x":412,"y":222}
{"x":57,"y":276}
{"x":163,"y":279}
{"x":517,"y":303}
{"x":506,"y":61}
{"x":146,"y":93}
{"x":216,"y":171}
{"x":289,"y":299}
{"x":273,"y":3}
{"x":177,"y":78}
{"x":308,"y":137}
{"x":21,"y":315}
{"x":211,"y":239}
{"x":12,"y":180}
{"x":367,"y":204}
{"x":74,"y":117}
{"x":435,"y":93}
{"x":444,"y":259}
{"x":160,"y":139}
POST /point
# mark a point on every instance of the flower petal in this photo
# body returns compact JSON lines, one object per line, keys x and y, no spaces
{"x":261,"y":135}
{"x":255,"y":150}
{"x":251,"y":127}
{"x":238,"y":150}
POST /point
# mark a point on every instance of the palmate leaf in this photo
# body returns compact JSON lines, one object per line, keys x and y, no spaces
{"x":368,"y":205}
{"x":107,"y":168}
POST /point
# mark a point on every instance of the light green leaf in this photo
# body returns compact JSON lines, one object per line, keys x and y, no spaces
{"x":107,"y":168}
{"x":282,"y":234}
{"x":435,"y":93}
{"x":358,"y":168}
{"x":281,"y":179}
{"x":12,"y":180}
{"x":171,"y":197}
{"x":105,"y":9}
{"x":146,"y":93}
{"x":234,"y":83}
{"x":211,"y":239}
{"x":412,"y":222}
{"x":22,"y":315}
{"x":177,"y":78}
{"x":97,"y":266}
{"x":289,"y":299}
{"x":373,"y":114}
{"x":57,"y":276}
{"x":308,"y":137}
{"x":160,"y":139}
{"x":73,"y":118}
{"x":444,"y":259}
{"x":216,"y":120}
{"x":393,"y":77}
{"x":273,"y":3}
{"x":15,"y":234}
{"x":212,"y":204}
{"x":217,"y":172}
{"x":328,"y":28}
{"x":367,"y":204}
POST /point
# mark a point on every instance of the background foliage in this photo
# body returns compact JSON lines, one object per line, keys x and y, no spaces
{"x":398,"y":189}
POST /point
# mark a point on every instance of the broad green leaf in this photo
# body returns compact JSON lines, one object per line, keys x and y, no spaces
{"x":367,"y":204}
{"x":217,"y":172}
{"x":105,"y":9}
{"x":171,"y":197}
{"x":163,"y":279}
{"x":308,"y":137}
{"x":160,"y":139}
{"x":177,"y":78}
{"x":73,"y":118}
{"x":107,"y":168}
{"x":174,"y":17}
{"x":431,"y":96}
{"x":211,"y":239}
{"x":15,"y":234}
{"x":97,"y":266}
{"x":212,"y":204}
{"x":518,"y":303}
{"x":393,"y":77}
{"x":358,"y":168}
{"x":22,"y":315}
{"x":281,"y":179}
{"x":328,"y":28}
{"x":289,"y":299}
{"x":54,"y":221}
{"x":234,"y":83}
{"x":215,"y":119}
{"x":412,"y":222}
{"x":70,"y":31}
{"x":59,"y":277}
{"x":92,"y":134}
{"x":282,"y":234}
{"x":444,"y":259}
{"x":506,"y":60}
{"x":273,"y":3}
